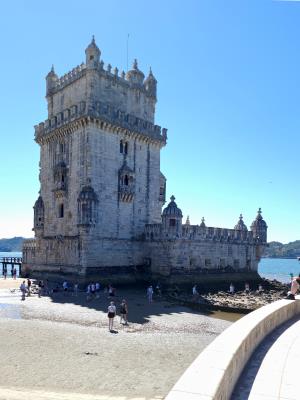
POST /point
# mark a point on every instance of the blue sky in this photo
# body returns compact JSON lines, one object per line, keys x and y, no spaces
{"x":228,"y":76}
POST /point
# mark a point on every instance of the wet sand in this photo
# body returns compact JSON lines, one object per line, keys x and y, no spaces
{"x":60,"y":347}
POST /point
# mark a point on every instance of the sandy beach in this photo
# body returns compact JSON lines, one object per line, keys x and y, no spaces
{"x":59,"y":347}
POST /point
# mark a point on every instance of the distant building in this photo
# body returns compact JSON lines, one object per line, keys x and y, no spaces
{"x":102,"y":191}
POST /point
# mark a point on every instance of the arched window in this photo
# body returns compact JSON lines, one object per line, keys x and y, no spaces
{"x":172,"y":222}
{"x":61,"y":211}
{"x":126,"y":181}
{"x":126,"y":148}
{"x":121,"y":146}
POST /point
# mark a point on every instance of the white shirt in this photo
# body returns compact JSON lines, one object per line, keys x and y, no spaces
{"x":65,"y":285}
{"x":97,"y":286}
{"x":112,"y":309}
{"x":150,"y":290}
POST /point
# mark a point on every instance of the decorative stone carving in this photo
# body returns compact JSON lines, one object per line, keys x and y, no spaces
{"x":87,"y":207}
{"x":126,"y":183}
{"x":39,"y":214}
{"x":60,"y":174}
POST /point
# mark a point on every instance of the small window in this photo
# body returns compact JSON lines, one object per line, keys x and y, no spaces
{"x":61,"y":211}
{"x":172,"y":222}
{"x":121,"y":146}
{"x":162,"y":191}
{"x":126,"y":148}
{"x":91,"y":57}
{"x":62,"y":178}
{"x":61,"y":147}
{"x":126,"y":181}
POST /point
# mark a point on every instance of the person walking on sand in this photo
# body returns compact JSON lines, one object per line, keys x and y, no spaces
{"x":111,"y":313}
{"x":75,"y":289}
{"x":124,"y":312}
{"x":14,"y":273}
{"x":4,"y":271}
{"x":28,"y":287}
{"x":231,"y":288}
{"x":65,"y":287}
{"x":23,"y":290}
{"x":150,"y":294}
{"x":195,"y":292}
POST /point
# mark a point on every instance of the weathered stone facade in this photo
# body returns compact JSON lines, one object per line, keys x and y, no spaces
{"x":99,"y":208}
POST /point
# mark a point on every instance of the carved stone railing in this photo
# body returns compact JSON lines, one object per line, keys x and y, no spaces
{"x":106,"y":113}
{"x":29,"y":244}
{"x":196,"y":232}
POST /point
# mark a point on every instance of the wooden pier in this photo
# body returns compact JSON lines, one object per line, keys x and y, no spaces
{"x":13,"y":262}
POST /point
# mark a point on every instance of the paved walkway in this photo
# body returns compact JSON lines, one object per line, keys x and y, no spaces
{"x":272,"y":373}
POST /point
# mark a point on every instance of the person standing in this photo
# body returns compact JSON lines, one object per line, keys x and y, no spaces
{"x":4,"y":271}
{"x":195,"y":292}
{"x":75,"y":289}
{"x":124,"y":312}
{"x":23,"y":290}
{"x":28,"y":287}
{"x":14,"y":273}
{"x":111,"y":313}
{"x":65,"y":287}
{"x":231,"y":288}
{"x":150,"y":294}
{"x":97,"y":285}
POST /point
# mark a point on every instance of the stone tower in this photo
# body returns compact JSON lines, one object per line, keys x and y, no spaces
{"x":99,"y":166}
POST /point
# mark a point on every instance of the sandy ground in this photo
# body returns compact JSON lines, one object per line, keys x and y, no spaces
{"x":59,"y":347}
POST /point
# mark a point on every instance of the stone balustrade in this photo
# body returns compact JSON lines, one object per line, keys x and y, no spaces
{"x":215,"y":372}
{"x":104,"y":112}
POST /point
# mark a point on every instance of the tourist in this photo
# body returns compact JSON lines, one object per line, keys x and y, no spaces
{"x":93,"y":289}
{"x":46,"y":287}
{"x":28,"y":287}
{"x":247,"y":288}
{"x":23,"y":290}
{"x":295,"y":286}
{"x":195,"y":292}
{"x":124,"y":312}
{"x":260,"y":289}
{"x":158,"y":290}
{"x":14,"y":273}
{"x":40,"y":288}
{"x":75,"y":289}
{"x":97,"y":285}
{"x":65,"y":287}
{"x":111,"y":313}
{"x":4,"y":271}
{"x":150,"y":294}
{"x":88,"y":293}
{"x":231,"y":288}
{"x":111,"y":291}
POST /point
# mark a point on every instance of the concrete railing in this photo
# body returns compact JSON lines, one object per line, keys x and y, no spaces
{"x":215,"y":372}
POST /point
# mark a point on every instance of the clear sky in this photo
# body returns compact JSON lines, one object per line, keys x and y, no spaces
{"x":228,"y":76}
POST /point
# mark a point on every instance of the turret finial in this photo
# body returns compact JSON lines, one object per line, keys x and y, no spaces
{"x":135,"y":64}
{"x":187,"y":222}
{"x":172,"y":198}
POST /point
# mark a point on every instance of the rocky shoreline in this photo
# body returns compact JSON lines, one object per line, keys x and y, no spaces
{"x":239,"y":302}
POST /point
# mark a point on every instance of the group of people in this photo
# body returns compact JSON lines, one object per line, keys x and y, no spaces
{"x":13,"y":272}
{"x":247,"y":289}
{"x":112,"y":312}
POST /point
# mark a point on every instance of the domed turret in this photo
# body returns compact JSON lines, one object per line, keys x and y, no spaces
{"x":172,"y":219}
{"x":202,"y":225}
{"x":92,"y":53}
{"x":259,"y":228}
{"x":240,"y":226}
{"x":135,"y":75}
{"x":51,"y":80}
{"x":150,"y":85}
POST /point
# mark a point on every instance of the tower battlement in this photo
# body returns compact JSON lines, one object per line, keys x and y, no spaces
{"x":92,"y":81}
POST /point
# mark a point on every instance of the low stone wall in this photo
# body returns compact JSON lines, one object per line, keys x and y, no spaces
{"x":214,"y":373}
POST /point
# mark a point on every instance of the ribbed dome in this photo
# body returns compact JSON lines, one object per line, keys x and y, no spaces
{"x":87,"y":193}
{"x":240,"y":226}
{"x":259,"y":221}
{"x":135,"y":75}
{"x":92,"y":46}
{"x":172,"y":209}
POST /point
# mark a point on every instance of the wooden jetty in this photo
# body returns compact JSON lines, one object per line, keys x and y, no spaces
{"x":13,"y":262}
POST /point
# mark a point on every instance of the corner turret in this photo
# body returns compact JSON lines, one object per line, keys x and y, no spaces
{"x":51,"y":80}
{"x":135,"y":76}
{"x":92,"y":53}
{"x":172,"y":219}
{"x":259,"y":228}
{"x":150,"y":85}
{"x":240,"y":226}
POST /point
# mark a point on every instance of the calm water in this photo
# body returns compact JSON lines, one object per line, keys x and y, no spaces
{"x":9,"y":254}
{"x":270,"y":268}
{"x":279,"y":268}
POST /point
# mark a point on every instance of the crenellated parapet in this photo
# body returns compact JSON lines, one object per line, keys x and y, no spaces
{"x":106,"y":113}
